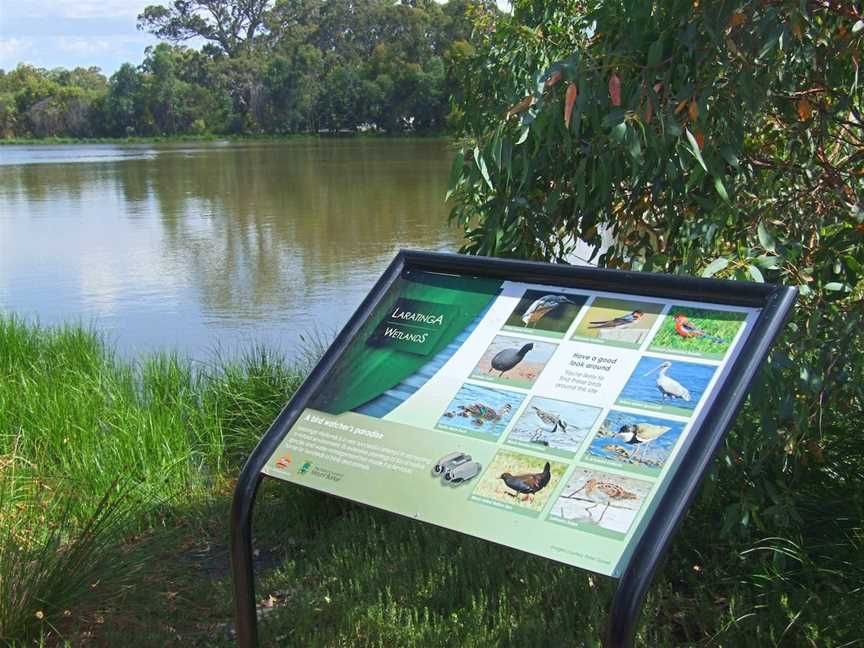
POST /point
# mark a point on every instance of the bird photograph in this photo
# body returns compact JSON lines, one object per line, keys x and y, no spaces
{"x":480,"y":411}
{"x":634,"y":440}
{"x":529,"y":483}
{"x":545,"y":313}
{"x":619,"y":322}
{"x":513,"y":361}
{"x":662,"y":385}
{"x":520,"y":479}
{"x":554,"y":424}
{"x":601,"y":499}
{"x":697,"y":331}
{"x":668,"y":386}
{"x":686,"y":329}
{"x":507,"y":359}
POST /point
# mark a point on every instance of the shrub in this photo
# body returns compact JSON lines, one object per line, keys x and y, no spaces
{"x":717,"y":138}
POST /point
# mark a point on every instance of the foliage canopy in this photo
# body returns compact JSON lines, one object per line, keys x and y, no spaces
{"x":717,"y":138}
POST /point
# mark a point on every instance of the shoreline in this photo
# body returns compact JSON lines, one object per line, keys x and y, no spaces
{"x":172,"y":139}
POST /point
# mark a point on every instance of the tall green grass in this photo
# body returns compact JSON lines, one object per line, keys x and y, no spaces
{"x":142,"y":561}
{"x":74,"y":421}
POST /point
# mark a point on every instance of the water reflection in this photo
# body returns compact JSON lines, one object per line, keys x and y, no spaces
{"x":197,"y":246}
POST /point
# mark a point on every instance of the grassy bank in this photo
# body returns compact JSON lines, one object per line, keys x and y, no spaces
{"x":115,"y":481}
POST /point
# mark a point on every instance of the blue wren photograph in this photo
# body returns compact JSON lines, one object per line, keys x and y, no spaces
{"x":480,"y":412}
{"x":638,"y":442}
{"x":556,"y":426}
{"x":672,"y":387}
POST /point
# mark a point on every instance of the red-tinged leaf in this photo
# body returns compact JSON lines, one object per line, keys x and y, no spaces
{"x":554,"y":79}
{"x":658,"y":87}
{"x":569,"y":100}
{"x":700,"y":139}
{"x":737,"y":18}
{"x":649,"y":111}
{"x":693,"y":110}
{"x":522,"y":106}
{"x":615,"y":89}
{"x":805,"y":110}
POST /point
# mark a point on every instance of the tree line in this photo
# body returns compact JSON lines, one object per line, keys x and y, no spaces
{"x":289,"y":66}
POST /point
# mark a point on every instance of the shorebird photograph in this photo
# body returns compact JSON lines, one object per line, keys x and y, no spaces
{"x":545,"y":313}
{"x":635,"y":441}
{"x":601,"y":499}
{"x":554,"y":424}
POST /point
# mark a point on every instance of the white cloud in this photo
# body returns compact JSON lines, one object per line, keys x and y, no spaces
{"x":13,"y":50}
{"x":82,"y":46}
{"x":72,"y":8}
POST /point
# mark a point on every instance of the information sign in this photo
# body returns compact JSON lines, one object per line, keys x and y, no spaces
{"x":566,"y":412}
{"x":543,"y":417}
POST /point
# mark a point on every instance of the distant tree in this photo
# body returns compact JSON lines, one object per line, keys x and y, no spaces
{"x":277,"y":66}
{"x":340,"y":101}
{"x":123,"y":105}
{"x":232,"y":25}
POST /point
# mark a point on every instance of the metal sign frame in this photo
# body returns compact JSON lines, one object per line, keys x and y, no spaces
{"x":774,"y":301}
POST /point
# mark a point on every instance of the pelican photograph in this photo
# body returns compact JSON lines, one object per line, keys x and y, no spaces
{"x":519,"y":479}
{"x":513,"y":361}
{"x":480,"y":412}
{"x":637,"y":442}
{"x":617,"y":322}
{"x":593,"y":499}
{"x":671,"y":387}
{"x":553,"y":426}
{"x":545,"y":313}
{"x":699,"y":332}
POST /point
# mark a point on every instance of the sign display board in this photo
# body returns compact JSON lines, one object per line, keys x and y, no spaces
{"x":548,"y":418}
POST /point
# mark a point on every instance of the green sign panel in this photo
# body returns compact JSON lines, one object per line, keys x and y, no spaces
{"x":542,"y":417}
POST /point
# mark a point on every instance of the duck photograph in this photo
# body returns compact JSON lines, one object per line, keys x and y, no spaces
{"x":513,"y":361}
{"x":617,"y":322}
{"x":598,"y":499}
{"x":636,"y":442}
{"x":700,"y":332}
{"x":520,"y":480}
{"x":672,"y":387}
{"x":545,"y":313}
{"x":480,"y":412}
{"x":555,"y":426}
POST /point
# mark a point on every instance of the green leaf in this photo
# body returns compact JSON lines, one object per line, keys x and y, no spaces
{"x":766,"y":240}
{"x":767,"y":262}
{"x":718,"y":264}
{"x":455,"y":172}
{"x":694,"y":149}
{"x":835,"y":286}
{"x":497,"y":141}
{"x":481,"y":164}
{"x":858,"y":26}
{"x":655,"y":53}
{"x":755,"y":273}
{"x":721,"y":189}
{"x":523,"y":135}
{"x":619,"y":132}
{"x":729,"y":155}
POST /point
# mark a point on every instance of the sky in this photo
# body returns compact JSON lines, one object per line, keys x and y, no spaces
{"x":72,"y":33}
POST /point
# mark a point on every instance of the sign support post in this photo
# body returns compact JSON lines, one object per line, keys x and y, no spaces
{"x":765,"y":306}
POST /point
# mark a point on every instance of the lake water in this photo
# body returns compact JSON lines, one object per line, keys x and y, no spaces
{"x":197,"y":247}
